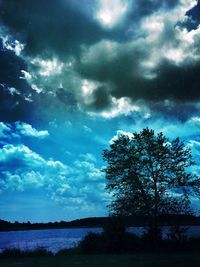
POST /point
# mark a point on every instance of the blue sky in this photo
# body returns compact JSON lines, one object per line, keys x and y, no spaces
{"x":73,"y":75}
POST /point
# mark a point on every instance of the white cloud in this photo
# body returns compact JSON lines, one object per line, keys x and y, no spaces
{"x":111,"y":12}
{"x":121,"y":106}
{"x":13,"y":91}
{"x":22,"y":153}
{"x":49,"y":74}
{"x":195,"y":120}
{"x":48,"y":67}
{"x":14,"y":46}
{"x":20,"y":182}
{"x":85,"y":188}
{"x":26,"y":75}
{"x":26,"y":129}
{"x":20,"y":129}
{"x":88,"y":87}
{"x":119,"y":133}
{"x":88,"y":157}
{"x":36,"y":88}
{"x":23,"y":168}
{"x":87,"y":171}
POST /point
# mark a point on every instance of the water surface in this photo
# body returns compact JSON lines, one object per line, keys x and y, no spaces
{"x":50,"y":239}
{"x":57,"y":239}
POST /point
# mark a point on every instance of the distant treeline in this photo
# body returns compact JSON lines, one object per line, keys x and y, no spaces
{"x":100,"y":222}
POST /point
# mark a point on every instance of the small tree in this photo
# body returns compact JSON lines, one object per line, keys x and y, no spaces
{"x":147,"y":175}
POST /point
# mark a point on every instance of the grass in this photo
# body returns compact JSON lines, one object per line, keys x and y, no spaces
{"x":135,"y":260}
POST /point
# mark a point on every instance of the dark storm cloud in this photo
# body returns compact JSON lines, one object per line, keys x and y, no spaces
{"x":101,"y":98}
{"x":56,"y":26}
{"x":113,"y":57}
{"x":61,"y":26}
{"x":173,"y":82}
{"x":179,"y":83}
{"x":163,"y":64}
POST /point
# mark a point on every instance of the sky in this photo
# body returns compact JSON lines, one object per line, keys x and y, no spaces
{"x":76,"y":73}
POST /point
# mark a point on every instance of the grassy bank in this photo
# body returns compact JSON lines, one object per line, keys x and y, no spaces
{"x":135,"y":260}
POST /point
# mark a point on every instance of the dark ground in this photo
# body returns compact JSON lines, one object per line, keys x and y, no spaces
{"x":137,"y":260}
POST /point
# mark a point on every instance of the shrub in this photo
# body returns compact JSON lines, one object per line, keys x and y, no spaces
{"x":113,"y":239}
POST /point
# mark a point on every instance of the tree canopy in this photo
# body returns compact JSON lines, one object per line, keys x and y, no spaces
{"x":149,"y":175}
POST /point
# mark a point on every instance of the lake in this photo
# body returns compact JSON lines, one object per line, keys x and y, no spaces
{"x":57,"y":239}
{"x":50,"y":239}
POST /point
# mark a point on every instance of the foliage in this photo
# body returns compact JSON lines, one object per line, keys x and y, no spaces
{"x":147,"y":175}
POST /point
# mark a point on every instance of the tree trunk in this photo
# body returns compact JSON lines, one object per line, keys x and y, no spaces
{"x":155,"y":218}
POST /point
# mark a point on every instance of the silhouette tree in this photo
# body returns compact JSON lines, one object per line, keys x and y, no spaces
{"x":147,"y":175}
